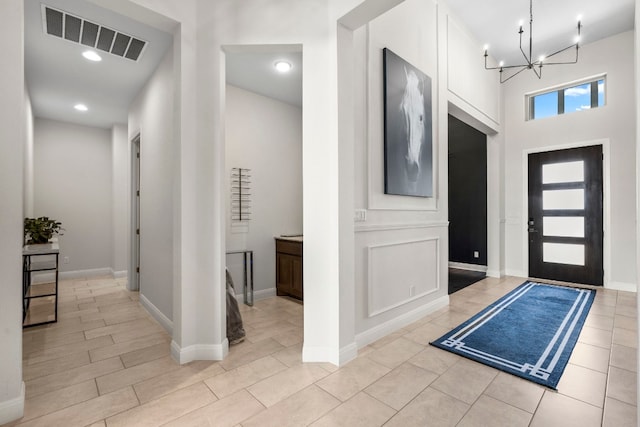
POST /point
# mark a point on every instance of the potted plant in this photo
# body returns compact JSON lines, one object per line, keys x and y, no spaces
{"x":40,"y":230}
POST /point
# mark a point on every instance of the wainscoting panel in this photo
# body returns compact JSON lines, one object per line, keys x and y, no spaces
{"x":401,"y":272}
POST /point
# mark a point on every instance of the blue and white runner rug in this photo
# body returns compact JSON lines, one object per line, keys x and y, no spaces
{"x":530,"y":332}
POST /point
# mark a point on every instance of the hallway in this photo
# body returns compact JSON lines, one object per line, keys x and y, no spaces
{"x":107,"y":362}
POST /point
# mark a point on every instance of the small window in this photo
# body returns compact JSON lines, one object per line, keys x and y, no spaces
{"x":566,"y":99}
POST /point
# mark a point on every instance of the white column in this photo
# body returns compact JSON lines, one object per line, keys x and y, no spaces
{"x":12,"y":151}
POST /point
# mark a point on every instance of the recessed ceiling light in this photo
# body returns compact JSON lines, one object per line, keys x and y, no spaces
{"x":91,"y":56}
{"x":283,"y":66}
{"x":81,"y":107}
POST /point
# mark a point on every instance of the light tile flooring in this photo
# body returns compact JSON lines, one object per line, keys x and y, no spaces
{"x":107,"y":363}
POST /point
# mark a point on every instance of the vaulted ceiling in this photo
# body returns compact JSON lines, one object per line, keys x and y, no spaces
{"x":58,"y":77}
{"x":496,"y":23}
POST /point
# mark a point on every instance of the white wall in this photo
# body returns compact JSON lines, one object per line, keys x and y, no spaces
{"x":28,"y":158}
{"x":264,"y":135}
{"x":314,"y":25}
{"x":401,"y":250}
{"x":199,"y":147}
{"x":151,"y":116}
{"x":474,"y":96}
{"x":72,"y":184}
{"x":197,"y":231}
{"x":121,"y":185}
{"x":13,"y":119}
{"x":334,"y":266}
{"x":613,"y":122}
{"x":637,"y":116}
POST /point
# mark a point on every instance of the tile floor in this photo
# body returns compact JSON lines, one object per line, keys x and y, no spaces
{"x":107,"y":363}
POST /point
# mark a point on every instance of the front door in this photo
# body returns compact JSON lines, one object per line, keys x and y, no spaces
{"x":565,"y":224}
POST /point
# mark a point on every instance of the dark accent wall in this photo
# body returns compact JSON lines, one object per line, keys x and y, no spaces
{"x":467,"y":193}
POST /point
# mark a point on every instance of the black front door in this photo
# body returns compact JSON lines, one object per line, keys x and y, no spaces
{"x":565,"y":225}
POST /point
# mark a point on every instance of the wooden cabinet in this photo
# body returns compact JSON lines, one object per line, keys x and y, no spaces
{"x":289,"y":267}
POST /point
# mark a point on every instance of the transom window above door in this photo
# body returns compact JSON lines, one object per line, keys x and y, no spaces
{"x":571,"y":97}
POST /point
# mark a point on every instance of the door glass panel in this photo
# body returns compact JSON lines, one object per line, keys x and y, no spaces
{"x":563,"y":199}
{"x":563,"y":226}
{"x":563,"y":172}
{"x":563,"y":253}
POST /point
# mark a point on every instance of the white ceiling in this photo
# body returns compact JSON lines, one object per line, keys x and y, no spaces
{"x":58,"y":76}
{"x":252,"y":68}
{"x":495,"y":22}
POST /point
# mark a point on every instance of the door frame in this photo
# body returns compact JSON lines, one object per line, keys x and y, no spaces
{"x":606,"y":206}
{"x":133,"y":282}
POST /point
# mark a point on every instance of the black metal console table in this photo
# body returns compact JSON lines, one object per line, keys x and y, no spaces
{"x":247,"y":283}
{"x":50,"y":252}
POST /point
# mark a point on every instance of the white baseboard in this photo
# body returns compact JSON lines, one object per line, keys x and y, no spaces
{"x":12,"y":409}
{"x":320,"y":354}
{"x":469,"y":267}
{"x":495,"y":273}
{"x":516,"y":273}
{"x":79,"y":274}
{"x":119,"y":274}
{"x":622,"y":286}
{"x":71,"y":275}
{"x":348,"y":353}
{"x":367,"y":337}
{"x":328,"y":355}
{"x":258,"y":295}
{"x":164,"y":321}
{"x":199,"y":352}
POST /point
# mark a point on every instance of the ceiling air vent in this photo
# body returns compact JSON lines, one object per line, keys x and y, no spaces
{"x":69,"y":27}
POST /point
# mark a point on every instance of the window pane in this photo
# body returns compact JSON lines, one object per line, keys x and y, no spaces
{"x":545,"y":105}
{"x":563,"y":226}
{"x":600,"y":93}
{"x":563,"y":253}
{"x":563,"y":199}
{"x":577,"y":98}
{"x":553,"y":173}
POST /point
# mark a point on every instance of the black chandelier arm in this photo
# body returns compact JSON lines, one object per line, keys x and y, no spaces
{"x":530,"y":64}
{"x":503,"y":67}
{"x":530,"y":31}
{"x":506,"y":67}
{"x":538,"y":72}
{"x":524,"y":67}
{"x":575,"y":61}
{"x":528,"y":59}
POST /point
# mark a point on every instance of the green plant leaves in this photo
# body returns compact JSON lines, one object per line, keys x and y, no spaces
{"x":40,"y":230}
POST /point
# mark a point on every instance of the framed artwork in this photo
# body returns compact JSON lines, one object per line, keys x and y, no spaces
{"x":408,"y":135}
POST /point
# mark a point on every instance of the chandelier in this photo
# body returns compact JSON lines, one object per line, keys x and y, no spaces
{"x":529,"y":63}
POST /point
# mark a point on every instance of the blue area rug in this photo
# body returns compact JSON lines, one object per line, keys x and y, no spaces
{"x":530,"y":332}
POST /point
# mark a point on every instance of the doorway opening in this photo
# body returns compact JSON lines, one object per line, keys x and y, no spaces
{"x":565,"y":215}
{"x":263,"y":177}
{"x":467,"y":205}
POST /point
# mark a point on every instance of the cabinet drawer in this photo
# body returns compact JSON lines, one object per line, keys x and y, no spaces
{"x":289,"y":247}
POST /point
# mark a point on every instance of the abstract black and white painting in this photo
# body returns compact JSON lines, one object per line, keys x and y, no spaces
{"x":408,"y":136}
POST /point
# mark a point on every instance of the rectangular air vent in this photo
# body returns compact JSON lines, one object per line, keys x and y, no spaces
{"x":72,"y":28}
